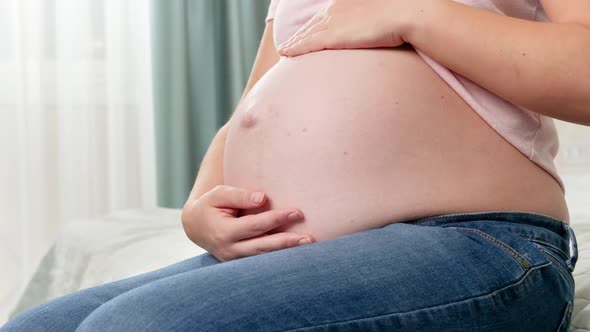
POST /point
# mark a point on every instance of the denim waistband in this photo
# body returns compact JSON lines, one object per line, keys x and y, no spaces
{"x":560,"y":234}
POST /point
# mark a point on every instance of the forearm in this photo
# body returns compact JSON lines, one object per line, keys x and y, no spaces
{"x":544,"y":67}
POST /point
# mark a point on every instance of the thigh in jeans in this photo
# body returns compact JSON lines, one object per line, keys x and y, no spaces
{"x":66,"y":313}
{"x":398,"y":278}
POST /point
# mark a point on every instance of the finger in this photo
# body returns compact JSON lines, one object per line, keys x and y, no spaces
{"x":320,"y":25}
{"x":314,"y":21}
{"x":315,"y":42}
{"x":269,"y":243}
{"x":305,"y":27}
{"x":256,"y":224}
{"x":224,"y":196}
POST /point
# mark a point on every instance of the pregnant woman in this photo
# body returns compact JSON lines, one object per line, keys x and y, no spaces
{"x":392,"y":171}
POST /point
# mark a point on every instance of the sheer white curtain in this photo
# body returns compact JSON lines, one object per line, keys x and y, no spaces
{"x":76,"y":126}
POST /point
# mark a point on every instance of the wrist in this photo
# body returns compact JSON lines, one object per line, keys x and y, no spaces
{"x":418,"y":19}
{"x":407,"y":20}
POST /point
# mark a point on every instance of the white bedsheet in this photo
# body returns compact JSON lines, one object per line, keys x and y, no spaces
{"x":96,"y":251}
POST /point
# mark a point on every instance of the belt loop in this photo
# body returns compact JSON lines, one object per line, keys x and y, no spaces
{"x":573,"y":247}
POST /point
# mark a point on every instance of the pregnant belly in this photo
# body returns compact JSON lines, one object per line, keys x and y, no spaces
{"x":358,"y":139}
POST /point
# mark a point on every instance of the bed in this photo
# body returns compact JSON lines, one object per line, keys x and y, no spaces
{"x":128,"y":242}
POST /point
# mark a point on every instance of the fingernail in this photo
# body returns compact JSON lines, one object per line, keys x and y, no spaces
{"x":304,"y":241}
{"x":295,"y":215}
{"x":257,"y":197}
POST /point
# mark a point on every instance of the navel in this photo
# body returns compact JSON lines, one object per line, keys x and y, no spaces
{"x":248,"y":120}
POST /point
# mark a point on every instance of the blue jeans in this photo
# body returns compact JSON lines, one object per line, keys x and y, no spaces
{"x":481,"y":271}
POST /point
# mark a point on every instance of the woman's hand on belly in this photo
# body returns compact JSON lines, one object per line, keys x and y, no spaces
{"x":212,"y":222}
{"x":349,"y":24}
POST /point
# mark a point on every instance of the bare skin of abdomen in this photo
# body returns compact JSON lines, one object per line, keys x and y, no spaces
{"x":359,"y":139}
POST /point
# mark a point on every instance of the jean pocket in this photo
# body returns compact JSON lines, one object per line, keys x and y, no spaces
{"x":498,"y":243}
{"x":557,"y":260}
{"x":564,"y":326}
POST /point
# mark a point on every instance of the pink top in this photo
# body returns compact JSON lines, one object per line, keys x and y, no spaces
{"x":531,"y":133}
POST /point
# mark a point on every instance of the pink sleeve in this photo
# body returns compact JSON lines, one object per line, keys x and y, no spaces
{"x":271,"y":10}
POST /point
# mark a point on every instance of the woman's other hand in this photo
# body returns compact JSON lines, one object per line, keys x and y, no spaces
{"x":211,"y":222}
{"x":354,"y":24}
